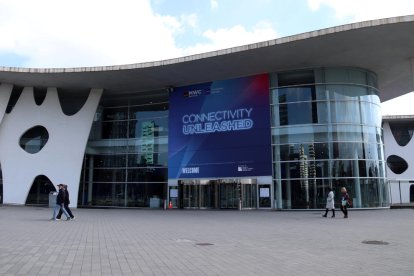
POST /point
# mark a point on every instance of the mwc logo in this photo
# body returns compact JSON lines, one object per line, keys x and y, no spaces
{"x":193,"y":93}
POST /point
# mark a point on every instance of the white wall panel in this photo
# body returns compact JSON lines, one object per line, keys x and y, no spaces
{"x":407,"y":153}
{"x":60,"y":159}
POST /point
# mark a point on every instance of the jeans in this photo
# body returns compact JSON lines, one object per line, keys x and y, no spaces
{"x":56,"y":210}
{"x":66,"y":207}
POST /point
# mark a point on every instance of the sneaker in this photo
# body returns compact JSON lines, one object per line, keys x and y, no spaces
{"x":73,"y":218}
{"x":324,"y":216}
{"x":68,"y":218}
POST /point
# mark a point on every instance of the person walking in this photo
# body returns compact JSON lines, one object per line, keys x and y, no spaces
{"x":344,"y":202}
{"x":66,"y":204}
{"x":60,"y":200}
{"x":330,"y":204}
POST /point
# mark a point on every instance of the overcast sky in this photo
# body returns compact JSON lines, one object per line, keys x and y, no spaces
{"x":55,"y":33}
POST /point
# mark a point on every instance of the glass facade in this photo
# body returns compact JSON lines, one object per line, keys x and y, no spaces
{"x":326,"y":132}
{"x":126,"y":158}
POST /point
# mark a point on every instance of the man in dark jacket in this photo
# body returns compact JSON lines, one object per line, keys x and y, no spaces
{"x":60,"y":201}
{"x":66,"y":204}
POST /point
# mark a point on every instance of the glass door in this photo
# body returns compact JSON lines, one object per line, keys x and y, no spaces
{"x":229,"y":196}
{"x":249,"y":196}
{"x":190,"y":196}
{"x":207,"y":196}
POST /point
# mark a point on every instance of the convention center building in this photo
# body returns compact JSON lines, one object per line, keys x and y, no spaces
{"x":270,"y":125}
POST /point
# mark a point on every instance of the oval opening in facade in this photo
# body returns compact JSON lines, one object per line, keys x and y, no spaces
{"x":34,"y":139}
{"x":397,"y":164}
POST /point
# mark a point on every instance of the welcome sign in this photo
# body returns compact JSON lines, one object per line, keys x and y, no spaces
{"x":220,"y":129}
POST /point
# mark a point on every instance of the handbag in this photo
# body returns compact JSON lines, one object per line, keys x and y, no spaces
{"x":344,"y":202}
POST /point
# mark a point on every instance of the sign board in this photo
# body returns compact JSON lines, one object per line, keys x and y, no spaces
{"x":220,"y":129}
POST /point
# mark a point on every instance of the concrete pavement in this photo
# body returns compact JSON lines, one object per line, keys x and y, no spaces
{"x":183,"y":242}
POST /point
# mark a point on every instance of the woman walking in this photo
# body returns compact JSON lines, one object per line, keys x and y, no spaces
{"x":66,"y":204}
{"x":330,"y":204}
{"x":344,"y":202}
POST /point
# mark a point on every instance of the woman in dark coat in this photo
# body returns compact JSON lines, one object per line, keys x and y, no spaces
{"x":66,"y":204}
{"x":344,"y":202}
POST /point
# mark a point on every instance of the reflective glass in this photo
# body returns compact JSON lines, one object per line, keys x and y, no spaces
{"x":142,"y":145}
{"x":301,"y":134}
{"x":371,"y":193}
{"x":114,"y":129}
{"x":345,"y":112}
{"x":347,"y":150}
{"x":148,"y":175}
{"x":104,"y":161}
{"x":109,"y":175}
{"x":148,"y":159}
{"x":307,"y":151}
{"x":303,"y":169}
{"x":347,"y":133}
{"x":371,"y":151}
{"x":345,"y":168}
{"x":149,"y":128}
{"x":298,"y":113}
{"x":371,"y":114}
{"x":111,"y":114}
{"x":340,"y":92}
{"x":148,"y":111}
{"x":145,"y":195}
{"x":108,"y":194}
{"x":296,"y":94}
{"x":304,"y":194}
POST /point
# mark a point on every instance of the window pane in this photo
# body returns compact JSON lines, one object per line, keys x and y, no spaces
{"x":148,"y":159}
{"x":109,"y":175}
{"x":108,"y":194}
{"x":148,"y":175}
{"x":149,"y":111}
{"x":142,"y":195}
{"x":108,"y":161}
{"x":155,"y":127}
{"x":345,"y":112}
{"x":114,"y":130}
{"x":119,"y":113}
{"x":297,"y":113}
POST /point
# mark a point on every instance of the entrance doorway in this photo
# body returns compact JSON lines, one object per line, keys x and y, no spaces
{"x":218,"y":194}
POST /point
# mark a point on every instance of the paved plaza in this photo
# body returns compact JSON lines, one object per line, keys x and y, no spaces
{"x":183,"y":242}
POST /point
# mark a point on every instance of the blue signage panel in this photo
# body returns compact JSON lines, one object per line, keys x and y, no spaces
{"x":220,"y":129}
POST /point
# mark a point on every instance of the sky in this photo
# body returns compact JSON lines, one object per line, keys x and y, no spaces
{"x":78,"y":33}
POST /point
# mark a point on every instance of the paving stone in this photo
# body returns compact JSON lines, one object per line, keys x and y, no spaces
{"x":184,"y":242}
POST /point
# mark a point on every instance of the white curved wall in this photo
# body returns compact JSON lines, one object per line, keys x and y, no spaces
{"x":399,"y":181}
{"x":60,"y":159}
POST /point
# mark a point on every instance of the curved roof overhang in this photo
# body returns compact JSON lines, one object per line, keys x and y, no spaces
{"x":384,"y":46}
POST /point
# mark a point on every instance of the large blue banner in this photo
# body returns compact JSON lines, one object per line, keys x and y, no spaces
{"x":220,"y":129}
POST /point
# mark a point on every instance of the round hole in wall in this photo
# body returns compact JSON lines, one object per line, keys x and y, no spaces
{"x":397,"y":164}
{"x":34,"y":139}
